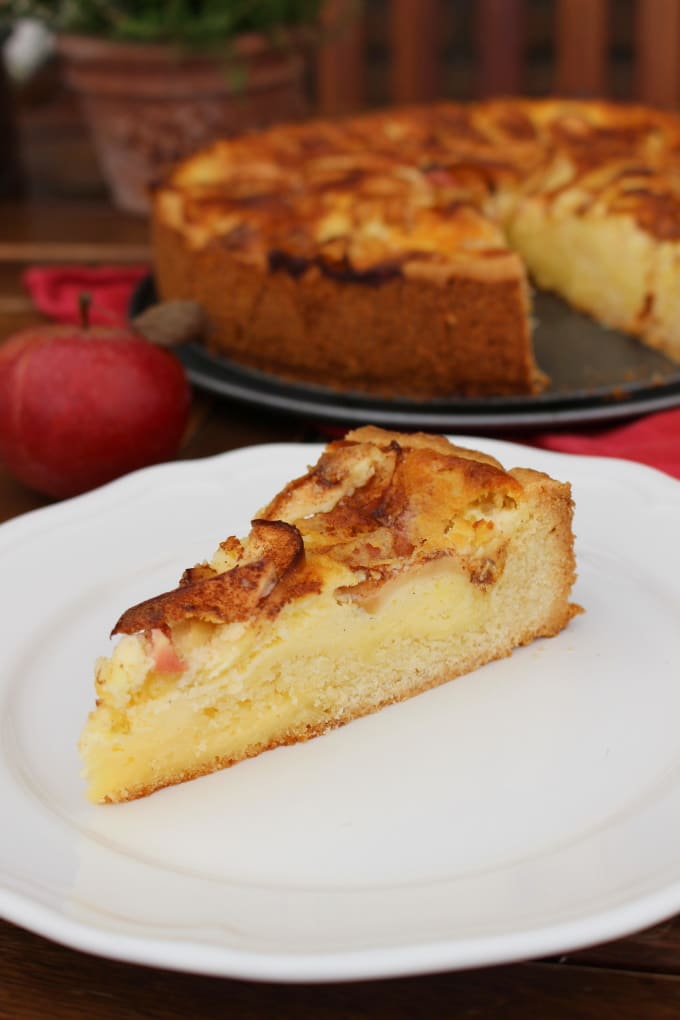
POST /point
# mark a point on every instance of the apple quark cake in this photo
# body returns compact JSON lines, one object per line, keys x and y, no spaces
{"x":398,"y":562}
{"x":391,"y":252}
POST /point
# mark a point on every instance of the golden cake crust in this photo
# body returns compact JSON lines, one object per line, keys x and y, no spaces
{"x":375,"y":500}
{"x":384,"y":252}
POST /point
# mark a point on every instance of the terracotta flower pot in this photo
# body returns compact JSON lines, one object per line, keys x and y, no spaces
{"x":150,"y":105}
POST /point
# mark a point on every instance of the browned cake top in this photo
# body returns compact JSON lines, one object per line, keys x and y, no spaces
{"x":372,"y":192}
{"x":375,"y":503}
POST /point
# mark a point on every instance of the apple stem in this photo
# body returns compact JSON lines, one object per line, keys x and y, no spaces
{"x":84,"y":304}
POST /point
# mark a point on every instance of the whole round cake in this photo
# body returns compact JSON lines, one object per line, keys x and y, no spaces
{"x":391,"y":252}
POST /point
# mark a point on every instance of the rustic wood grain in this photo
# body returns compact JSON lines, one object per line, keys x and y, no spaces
{"x":85,"y":228}
{"x":67,"y":251}
{"x":42,"y":980}
{"x":656,"y":950}
{"x":500,"y":40}
{"x":415,"y":35}
{"x":657,"y":52}
{"x":340,"y":71}
{"x":582,"y":34}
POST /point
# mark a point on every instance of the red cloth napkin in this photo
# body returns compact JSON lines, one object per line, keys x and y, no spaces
{"x":56,"y":291}
{"x":652,"y":440}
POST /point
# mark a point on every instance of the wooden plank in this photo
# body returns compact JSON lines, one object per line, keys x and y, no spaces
{"x":71,"y":232}
{"x":500,"y":38}
{"x":39,"y":979}
{"x":655,"y":949}
{"x":581,"y":36}
{"x":340,"y":72}
{"x":66,"y":251}
{"x":657,"y":56}
{"x":14,"y":304}
{"x":415,"y":44}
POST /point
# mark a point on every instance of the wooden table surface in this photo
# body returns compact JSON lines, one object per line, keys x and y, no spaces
{"x":637,"y":977}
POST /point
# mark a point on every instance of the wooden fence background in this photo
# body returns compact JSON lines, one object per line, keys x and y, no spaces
{"x":384,"y":51}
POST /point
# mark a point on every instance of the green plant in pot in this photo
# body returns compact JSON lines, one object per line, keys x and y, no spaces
{"x":159,"y":78}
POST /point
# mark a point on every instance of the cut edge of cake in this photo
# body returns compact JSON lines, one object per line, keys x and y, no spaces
{"x":308,"y":328}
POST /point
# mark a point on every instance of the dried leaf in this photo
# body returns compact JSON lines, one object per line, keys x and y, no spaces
{"x":171,"y":323}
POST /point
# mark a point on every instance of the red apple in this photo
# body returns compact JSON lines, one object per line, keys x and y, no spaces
{"x":80,"y":406}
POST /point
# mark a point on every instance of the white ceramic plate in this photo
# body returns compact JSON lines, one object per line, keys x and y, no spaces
{"x":530,"y":808}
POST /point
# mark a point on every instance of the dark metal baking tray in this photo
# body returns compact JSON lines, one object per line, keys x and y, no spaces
{"x":597,"y":375}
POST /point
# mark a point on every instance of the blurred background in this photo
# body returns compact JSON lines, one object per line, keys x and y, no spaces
{"x":340,"y":56}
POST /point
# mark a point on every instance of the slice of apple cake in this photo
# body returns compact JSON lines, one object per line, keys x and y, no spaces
{"x":395,"y":564}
